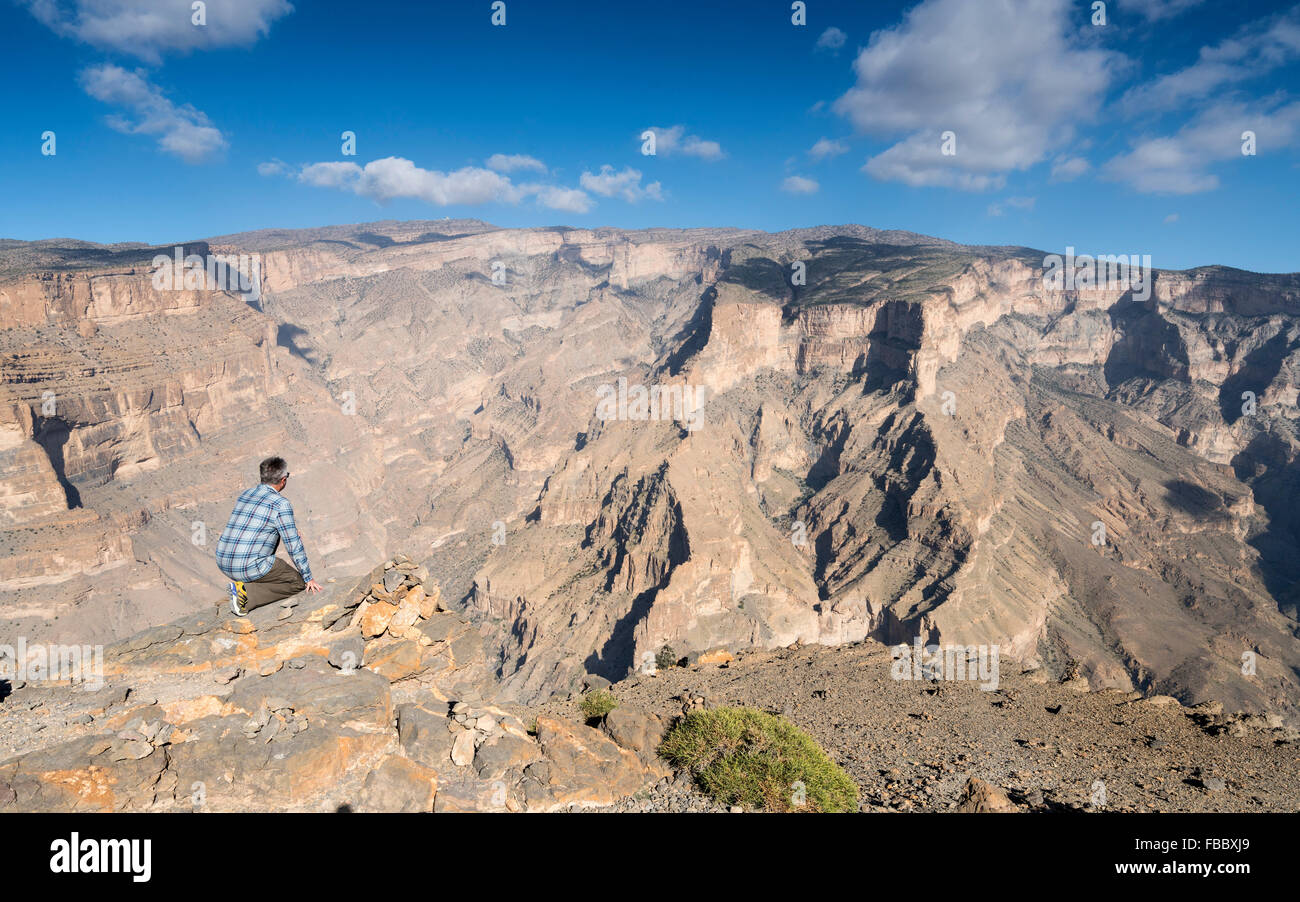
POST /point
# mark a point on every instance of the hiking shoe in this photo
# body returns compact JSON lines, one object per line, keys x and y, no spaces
{"x":238,"y":599}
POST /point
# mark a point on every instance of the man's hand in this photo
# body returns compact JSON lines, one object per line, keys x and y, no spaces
{"x":314,"y":586}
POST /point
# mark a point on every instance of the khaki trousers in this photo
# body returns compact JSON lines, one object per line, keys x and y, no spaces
{"x":280,"y":582}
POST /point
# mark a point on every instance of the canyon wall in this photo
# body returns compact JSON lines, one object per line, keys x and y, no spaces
{"x":916,"y":439}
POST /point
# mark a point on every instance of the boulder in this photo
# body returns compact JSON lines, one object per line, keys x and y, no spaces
{"x":403,"y":623}
{"x":347,"y":653}
{"x":462,"y":748}
{"x":416,"y":596}
{"x":1162,"y":701}
{"x":442,"y":627}
{"x":426,"y":600}
{"x":593,"y":682}
{"x":504,"y":753}
{"x":981,"y":797}
{"x":586,"y":767}
{"x":635,"y":730}
{"x":394,"y":660}
{"x":374,"y":617}
{"x":399,"y":785}
{"x":472,"y":795}
{"x":424,"y":736}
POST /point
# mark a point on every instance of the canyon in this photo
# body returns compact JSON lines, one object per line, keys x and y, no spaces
{"x":920,"y":440}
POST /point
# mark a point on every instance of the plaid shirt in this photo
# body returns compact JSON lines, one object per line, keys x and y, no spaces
{"x":246,"y":549}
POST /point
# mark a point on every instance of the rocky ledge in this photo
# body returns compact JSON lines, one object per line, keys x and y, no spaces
{"x":1035,"y":743}
{"x":373,"y":699}
{"x":378,"y":698}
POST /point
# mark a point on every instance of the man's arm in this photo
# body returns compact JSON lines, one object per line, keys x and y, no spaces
{"x":292,"y":541}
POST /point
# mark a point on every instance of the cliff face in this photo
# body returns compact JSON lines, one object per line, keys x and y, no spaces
{"x":912,"y":438}
{"x":128,"y":415}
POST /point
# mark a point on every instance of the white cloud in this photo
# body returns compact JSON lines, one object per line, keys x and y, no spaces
{"x":825,"y":147}
{"x":570,"y":200}
{"x":1020,"y":203}
{"x":396,"y":177}
{"x":918,"y":161}
{"x":1255,"y":50}
{"x":150,"y":28}
{"x":625,"y":184}
{"x":797,"y":184}
{"x":674,"y":140}
{"x":514,"y":162}
{"x":1162,"y":166}
{"x":181,"y":130}
{"x":831,"y":39}
{"x":392,"y":178}
{"x":1012,"y":81}
{"x":1067,"y":169}
{"x":1180,"y":163}
{"x":1171,"y":219}
{"x":273,"y":167}
{"x":331,"y":175}
{"x":1183,"y":162}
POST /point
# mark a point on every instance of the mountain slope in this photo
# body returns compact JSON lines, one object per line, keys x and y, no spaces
{"x":921,"y":438}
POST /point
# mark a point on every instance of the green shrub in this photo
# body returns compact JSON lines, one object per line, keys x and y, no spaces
{"x":596,"y":705}
{"x":666,"y":658}
{"x":740,"y":756}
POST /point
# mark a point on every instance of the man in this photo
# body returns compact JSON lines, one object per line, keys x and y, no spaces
{"x":246,"y":549}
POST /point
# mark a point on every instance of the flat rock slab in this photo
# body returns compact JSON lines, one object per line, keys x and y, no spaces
{"x":399,"y":784}
{"x":424,"y":736}
{"x":319,"y":690}
{"x":291,"y":708}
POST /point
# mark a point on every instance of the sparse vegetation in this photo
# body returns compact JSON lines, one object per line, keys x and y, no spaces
{"x":666,"y":658}
{"x":596,"y":705}
{"x":741,"y":756}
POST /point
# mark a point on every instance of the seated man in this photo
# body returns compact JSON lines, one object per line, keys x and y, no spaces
{"x":246,"y":549}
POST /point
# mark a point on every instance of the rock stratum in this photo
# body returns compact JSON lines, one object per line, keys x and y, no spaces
{"x":380,"y":699}
{"x":920,"y":440}
{"x":376,"y":699}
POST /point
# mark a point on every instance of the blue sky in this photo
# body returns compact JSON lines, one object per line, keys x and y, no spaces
{"x":1115,"y":138}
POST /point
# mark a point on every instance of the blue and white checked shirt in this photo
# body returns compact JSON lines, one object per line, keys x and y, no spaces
{"x":261,"y":518}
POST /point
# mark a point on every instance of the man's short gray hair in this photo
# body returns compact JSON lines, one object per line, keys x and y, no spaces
{"x":273,"y":469}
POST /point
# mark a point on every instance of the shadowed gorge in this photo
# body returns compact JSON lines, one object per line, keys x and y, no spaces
{"x":919,"y":440}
